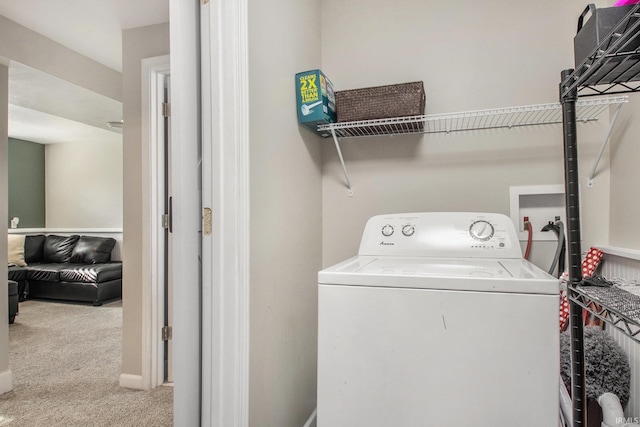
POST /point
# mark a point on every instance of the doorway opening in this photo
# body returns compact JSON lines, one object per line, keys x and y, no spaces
{"x":157,"y":211}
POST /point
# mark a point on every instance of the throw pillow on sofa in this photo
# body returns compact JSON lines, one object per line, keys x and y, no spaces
{"x":58,"y":249}
{"x":15,"y":249}
{"x":93,"y":250}
{"x":34,"y":248}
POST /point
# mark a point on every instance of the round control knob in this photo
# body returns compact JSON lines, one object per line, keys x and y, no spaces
{"x":387,"y":230}
{"x":481,"y":230}
{"x":408,"y":230}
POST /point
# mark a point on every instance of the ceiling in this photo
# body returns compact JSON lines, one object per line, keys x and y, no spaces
{"x":49,"y":110}
{"x":46,"y":109}
{"x":92,"y":28}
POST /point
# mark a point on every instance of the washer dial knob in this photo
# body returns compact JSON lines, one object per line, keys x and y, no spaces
{"x":481,"y":230}
{"x":408,"y":230}
{"x":387,"y":230}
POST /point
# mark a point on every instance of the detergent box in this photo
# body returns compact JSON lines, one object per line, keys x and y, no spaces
{"x":316,"y":100}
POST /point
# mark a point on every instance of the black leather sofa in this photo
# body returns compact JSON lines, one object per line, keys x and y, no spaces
{"x":72,"y":268}
{"x":13,"y":301}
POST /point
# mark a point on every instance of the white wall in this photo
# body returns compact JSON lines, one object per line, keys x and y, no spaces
{"x":83,"y":185}
{"x":491,"y":54}
{"x":286,"y":209}
{"x":625,"y":176}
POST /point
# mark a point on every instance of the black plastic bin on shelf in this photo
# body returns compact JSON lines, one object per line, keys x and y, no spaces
{"x":13,"y":300}
{"x":600,"y":23}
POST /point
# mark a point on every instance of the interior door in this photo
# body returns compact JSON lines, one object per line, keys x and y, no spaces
{"x":186,"y":227}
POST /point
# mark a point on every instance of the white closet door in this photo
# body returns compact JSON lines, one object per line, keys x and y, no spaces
{"x":186,"y":188}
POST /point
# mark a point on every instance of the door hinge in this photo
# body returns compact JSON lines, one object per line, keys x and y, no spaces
{"x":165,"y":220}
{"x":205,"y":1}
{"x":166,"y":109}
{"x":167,"y":333}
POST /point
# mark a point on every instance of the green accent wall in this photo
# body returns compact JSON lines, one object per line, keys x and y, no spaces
{"x":26,"y":183}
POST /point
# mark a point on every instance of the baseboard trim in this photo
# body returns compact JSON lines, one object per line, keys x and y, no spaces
{"x":6,"y":381}
{"x":131,"y":381}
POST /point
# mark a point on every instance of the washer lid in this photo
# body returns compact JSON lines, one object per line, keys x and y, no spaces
{"x":464,"y":274}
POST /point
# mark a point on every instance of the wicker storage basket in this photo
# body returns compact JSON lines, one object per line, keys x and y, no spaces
{"x":380,"y":102}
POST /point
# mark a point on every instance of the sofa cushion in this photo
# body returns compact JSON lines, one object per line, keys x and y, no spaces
{"x":45,"y":272}
{"x":96,"y":273}
{"x":59,"y":248}
{"x":15,"y":249}
{"x":34,"y":248}
{"x":13,"y":287}
{"x":17,"y":273}
{"x":93,"y":250}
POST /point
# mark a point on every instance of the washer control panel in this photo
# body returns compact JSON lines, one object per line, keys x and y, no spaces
{"x":441,"y":234}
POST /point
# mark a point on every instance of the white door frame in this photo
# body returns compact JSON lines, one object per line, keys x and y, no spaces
{"x":209,"y":88}
{"x":225,"y":189}
{"x":154,"y":72}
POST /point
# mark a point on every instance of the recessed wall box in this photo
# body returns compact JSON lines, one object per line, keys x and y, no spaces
{"x":540,"y":204}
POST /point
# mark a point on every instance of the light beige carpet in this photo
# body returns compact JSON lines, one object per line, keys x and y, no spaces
{"x":65,"y":360}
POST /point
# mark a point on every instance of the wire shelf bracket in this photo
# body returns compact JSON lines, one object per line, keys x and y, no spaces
{"x":612,"y":123}
{"x":344,"y":168}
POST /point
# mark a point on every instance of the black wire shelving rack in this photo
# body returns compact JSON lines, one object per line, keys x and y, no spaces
{"x":613,"y":67}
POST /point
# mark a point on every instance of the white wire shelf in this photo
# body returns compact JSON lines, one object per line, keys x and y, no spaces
{"x":529,"y":115}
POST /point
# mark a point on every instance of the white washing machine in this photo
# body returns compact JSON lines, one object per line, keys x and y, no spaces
{"x":438,"y":322}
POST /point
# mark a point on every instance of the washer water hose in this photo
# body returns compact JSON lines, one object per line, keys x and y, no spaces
{"x":558,"y":258}
{"x":612,"y":413}
{"x":529,"y":228}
